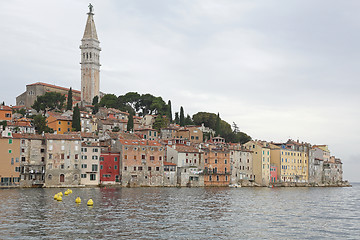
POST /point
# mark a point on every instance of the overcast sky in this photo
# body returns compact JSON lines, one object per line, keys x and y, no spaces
{"x":279,"y":69}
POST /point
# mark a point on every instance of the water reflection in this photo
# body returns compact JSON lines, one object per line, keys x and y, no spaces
{"x":181,"y":213}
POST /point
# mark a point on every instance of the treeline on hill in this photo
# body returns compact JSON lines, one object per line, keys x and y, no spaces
{"x":140,"y":104}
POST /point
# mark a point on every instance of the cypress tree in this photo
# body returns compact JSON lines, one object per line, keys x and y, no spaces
{"x":217,"y":125}
{"x":69,"y":100}
{"x":177,"y":119}
{"x":76,"y":119}
{"x":130,"y":123}
{"x":169,"y":111}
{"x":182,"y":118}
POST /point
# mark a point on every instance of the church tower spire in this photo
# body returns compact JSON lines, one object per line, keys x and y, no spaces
{"x":90,"y":61}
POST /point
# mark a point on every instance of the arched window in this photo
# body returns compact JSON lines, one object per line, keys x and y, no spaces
{"x":49,"y":176}
{"x":62,"y":178}
{"x":87,"y":56}
{"x":90,"y":54}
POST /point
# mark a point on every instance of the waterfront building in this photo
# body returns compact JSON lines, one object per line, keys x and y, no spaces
{"x":291,"y":160}
{"x":141,"y":162}
{"x":190,"y":165}
{"x":32,"y":160}
{"x":170,"y":174}
{"x":10,"y":159}
{"x":60,"y":123}
{"x":90,"y":61}
{"x":109,"y":166}
{"x":333,"y":172}
{"x":216,"y":165}
{"x":261,"y":161}
{"x":62,"y":160}
{"x":273,"y":174}
{"x":168,"y":132}
{"x":22,"y":125}
{"x":191,"y":133}
{"x":241,"y":164}
{"x":90,"y":159}
{"x":316,"y":166}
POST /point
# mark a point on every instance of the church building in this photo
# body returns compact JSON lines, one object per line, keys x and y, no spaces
{"x":90,"y":71}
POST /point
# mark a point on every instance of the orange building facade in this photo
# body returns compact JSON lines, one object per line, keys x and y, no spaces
{"x":216,"y":166}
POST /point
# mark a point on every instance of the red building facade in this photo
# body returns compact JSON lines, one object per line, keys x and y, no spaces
{"x":109,"y":167}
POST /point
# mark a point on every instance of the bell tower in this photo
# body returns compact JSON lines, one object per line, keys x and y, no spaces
{"x":90,"y":61}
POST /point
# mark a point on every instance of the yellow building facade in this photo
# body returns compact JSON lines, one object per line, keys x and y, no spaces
{"x":261,"y":156}
{"x":60,"y":124}
{"x":291,"y":161}
{"x":9,"y":160}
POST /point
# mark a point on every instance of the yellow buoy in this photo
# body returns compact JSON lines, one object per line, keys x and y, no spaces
{"x":60,"y":194}
{"x":59,"y":198}
{"x":55,"y":197}
{"x":78,"y":200}
{"x":90,"y":202}
{"x":66,"y":193}
{"x":70,"y":190}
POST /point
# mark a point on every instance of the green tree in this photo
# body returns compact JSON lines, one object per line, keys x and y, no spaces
{"x":40,"y":124}
{"x":49,"y":101}
{"x":160,"y":122}
{"x":169,"y":113}
{"x":69,"y":100}
{"x":188,"y":120}
{"x":109,"y":101}
{"x":217,"y":125}
{"x":116,"y":129}
{"x":76,"y":119}
{"x":177,"y":119}
{"x":182,"y":118}
{"x":95,"y":104}
{"x":130,"y":123}
{"x":208,"y":119}
{"x":3,"y":123}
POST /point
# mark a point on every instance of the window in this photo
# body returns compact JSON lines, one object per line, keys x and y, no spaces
{"x":134,"y":157}
{"x":140,"y":168}
{"x":216,"y":161}
{"x":94,"y":157}
{"x":115,"y":167}
{"x":149,"y":168}
{"x":62,"y":178}
{"x":101,"y":167}
{"x":10,"y":141}
{"x":101,"y":159}
{"x":134,"y":168}
{"x":125,"y":168}
{"x":62,"y":156}
{"x":225,"y":161}
{"x":16,"y":159}
{"x":50,"y":166}
{"x":76,"y":166}
{"x":10,"y":151}
{"x":157,"y":168}
{"x":95,"y":150}
{"x":152,"y":158}
{"x":94,"y":167}
{"x":92,"y":177}
{"x":143,"y":156}
{"x":76,"y":156}
{"x":83,"y":165}
{"x":160,"y":158}
{"x":62,"y":166}
{"x":83,"y":175}
{"x":49,"y":176}
{"x":217,"y":178}
{"x":125,"y":156}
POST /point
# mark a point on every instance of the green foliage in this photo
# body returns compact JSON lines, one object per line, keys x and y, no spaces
{"x":49,"y":101}
{"x":217,"y":125}
{"x":95,"y":100}
{"x":76,"y":119}
{"x":177,"y":119}
{"x":209,"y":119}
{"x":169,"y":112}
{"x":22,"y":111}
{"x":160,"y":122}
{"x":188,"y":120}
{"x":182,"y":118}
{"x":39,"y":122}
{"x":3,"y":123}
{"x":116,"y":129}
{"x":221,"y":127}
{"x":109,"y":101}
{"x":69,"y":100}
{"x":130,"y":123}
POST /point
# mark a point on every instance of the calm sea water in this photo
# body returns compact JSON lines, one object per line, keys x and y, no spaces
{"x":182,"y":213}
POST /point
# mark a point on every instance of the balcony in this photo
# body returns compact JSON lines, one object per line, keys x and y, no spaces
{"x":214,"y":172}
